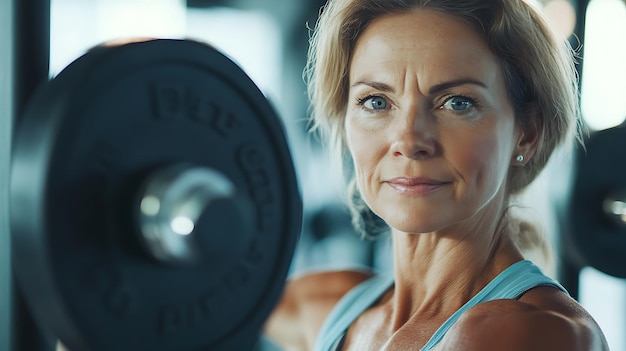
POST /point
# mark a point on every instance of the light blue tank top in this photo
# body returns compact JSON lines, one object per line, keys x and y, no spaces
{"x":512,"y":283}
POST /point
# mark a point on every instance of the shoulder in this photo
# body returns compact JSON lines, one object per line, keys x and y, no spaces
{"x":322,"y":289}
{"x":543,"y":319}
{"x":324,"y":283}
{"x":306,"y":302}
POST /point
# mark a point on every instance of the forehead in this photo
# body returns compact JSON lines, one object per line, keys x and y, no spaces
{"x":425,"y":40}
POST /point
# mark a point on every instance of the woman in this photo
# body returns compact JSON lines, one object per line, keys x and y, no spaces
{"x":447,"y":109}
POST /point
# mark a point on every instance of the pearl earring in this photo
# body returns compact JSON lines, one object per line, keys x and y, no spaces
{"x":519,"y":158}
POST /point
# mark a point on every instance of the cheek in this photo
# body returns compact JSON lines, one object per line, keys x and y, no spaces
{"x":358,"y":147}
{"x":365,"y":148}
{"x":356,"y":139}
{"x":482,"y":159}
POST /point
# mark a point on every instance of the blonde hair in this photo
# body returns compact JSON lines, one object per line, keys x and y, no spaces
{"x":538,"y":68}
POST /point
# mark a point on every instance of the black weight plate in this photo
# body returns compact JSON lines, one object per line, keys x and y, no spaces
{"x":88,"y":140}
{"x":600,"y":171}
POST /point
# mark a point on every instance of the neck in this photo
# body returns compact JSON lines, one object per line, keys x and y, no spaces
{"x":436,"y":273}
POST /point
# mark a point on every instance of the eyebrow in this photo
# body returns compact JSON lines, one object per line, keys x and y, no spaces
{"x":454,"y":83}
{"x":376,"y":85}
{"x":433,"y":90}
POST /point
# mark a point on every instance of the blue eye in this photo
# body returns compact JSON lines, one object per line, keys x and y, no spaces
{"x":458,"y":103}
{"x":374,"y":102}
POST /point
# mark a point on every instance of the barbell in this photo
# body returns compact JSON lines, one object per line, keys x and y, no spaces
{"x":154,"y":202}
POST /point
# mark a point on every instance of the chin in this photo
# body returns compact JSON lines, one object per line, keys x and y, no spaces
{"x":419,"y":222}
{"x":416,"y":225}
{"x":415,"y":230}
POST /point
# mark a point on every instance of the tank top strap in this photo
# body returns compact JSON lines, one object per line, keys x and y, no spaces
{"x":511,"y":283}
{"x":348,"y":309}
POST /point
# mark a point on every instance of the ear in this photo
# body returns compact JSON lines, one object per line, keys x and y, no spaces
{"x":529,"y":136}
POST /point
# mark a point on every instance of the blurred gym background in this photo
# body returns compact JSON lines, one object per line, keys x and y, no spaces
{"x":269,"y":38}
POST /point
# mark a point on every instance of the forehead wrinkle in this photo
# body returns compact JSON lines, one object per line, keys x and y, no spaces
{"x":409,"y":58}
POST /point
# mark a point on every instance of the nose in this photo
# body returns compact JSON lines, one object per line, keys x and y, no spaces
{"x":414,"y":135}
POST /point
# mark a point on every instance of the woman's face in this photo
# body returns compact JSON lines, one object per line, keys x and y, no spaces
{"x":429,"y":124}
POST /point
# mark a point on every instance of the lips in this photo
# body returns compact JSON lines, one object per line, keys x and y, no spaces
{"x":418,"y":186}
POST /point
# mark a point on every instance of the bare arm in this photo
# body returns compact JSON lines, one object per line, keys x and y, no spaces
{"x":517,"y":326}
{"x":305,"y":303}
{"x":538,"y":331}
